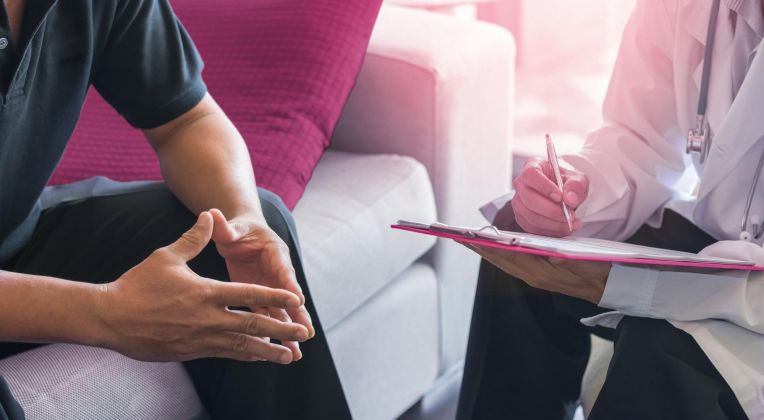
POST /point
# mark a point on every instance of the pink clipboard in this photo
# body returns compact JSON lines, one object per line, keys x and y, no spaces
{"x":545,"y":253}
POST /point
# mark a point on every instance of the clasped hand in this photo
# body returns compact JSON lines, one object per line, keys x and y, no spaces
{"x":161,"y":310}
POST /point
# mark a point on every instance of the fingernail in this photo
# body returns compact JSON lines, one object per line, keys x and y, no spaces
{"x":572,"y":198}
{"x":302,"y":334}
{"x":286,"y":358}
{"x":555,"y":196}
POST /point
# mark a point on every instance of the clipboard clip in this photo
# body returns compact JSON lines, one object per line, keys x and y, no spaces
{"x":493,"y":233}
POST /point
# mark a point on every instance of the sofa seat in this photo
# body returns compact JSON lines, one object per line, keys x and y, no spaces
{"x":386,"y":352}
{"x":67,"y":381}
{"x":377,"y":304}
{"x":343,"y":222}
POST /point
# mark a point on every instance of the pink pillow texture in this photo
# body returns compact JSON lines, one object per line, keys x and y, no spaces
{"x":281,"y":69}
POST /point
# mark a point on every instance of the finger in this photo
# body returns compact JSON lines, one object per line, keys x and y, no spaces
{"x":252,"y":295}
{"x":541,"y":164}
{"x":301,"y":316}
{"x":541,"y":221}
{"x":539,"y":204}
{"x":244,"y":347}
{"x":257,"y":325}
{"x":467,"y":245}
{"x":532,"y":226}
{"x":557,"y":261}
{"x":516,"y":263}
{"x":576,"y":189}
{"x":194,"y":240}
{"x":286,"y":276}
{"x":294,"y":346}
{"x":262,"y":311}
{"x":223,"y":231}
{"x":534,"y":177}
{"x":507,"y":262}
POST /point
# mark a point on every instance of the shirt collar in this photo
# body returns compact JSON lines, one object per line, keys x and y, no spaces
{"x":734,"y":4}
{"x":750,"y":11}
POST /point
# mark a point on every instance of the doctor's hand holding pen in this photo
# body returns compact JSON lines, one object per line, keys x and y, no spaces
{"x":540,"y":205}
{"x":545,"y":203}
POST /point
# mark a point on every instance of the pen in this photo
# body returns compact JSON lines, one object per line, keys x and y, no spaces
{"x":552,"y":156}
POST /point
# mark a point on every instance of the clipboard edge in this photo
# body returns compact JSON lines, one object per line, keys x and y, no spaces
{"x":544,"y":253}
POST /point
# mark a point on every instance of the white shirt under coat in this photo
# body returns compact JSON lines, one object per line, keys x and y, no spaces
{"x":637,"y":167}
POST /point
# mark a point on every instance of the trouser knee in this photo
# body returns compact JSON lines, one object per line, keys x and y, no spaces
{"x":647,"y":336}
{"x":277,"y":216}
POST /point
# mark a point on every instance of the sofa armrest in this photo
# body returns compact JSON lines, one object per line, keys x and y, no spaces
{"x":440,"y":89}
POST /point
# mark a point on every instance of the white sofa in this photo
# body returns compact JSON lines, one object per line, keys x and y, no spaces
{"x":426,"y":134}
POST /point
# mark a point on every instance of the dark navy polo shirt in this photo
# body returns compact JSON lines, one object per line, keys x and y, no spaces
{"x":135,"y":53}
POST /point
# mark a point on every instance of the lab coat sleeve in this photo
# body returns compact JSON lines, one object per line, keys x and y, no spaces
{"x":637,"y":155}
{"x":736,"y":296}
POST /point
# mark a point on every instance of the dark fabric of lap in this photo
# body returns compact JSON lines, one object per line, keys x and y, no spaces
{"x":9,"y":408}
{"x":527,"y":351}
{"x":97,"y":239}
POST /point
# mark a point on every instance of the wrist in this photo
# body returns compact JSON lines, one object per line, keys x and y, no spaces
{"x":596,"y":288}
{"x":252,"y":214}
{"x":596,"y":292}
{"x":96,"y":330}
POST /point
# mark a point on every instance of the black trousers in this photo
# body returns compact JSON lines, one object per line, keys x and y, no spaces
{"x":97,"y":239}
{"x":528,"y":351}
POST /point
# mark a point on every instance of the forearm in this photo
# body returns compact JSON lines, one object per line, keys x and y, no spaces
{"x":42,"y":309}
{"x":734,"y":296}
{"x":206,"y":164}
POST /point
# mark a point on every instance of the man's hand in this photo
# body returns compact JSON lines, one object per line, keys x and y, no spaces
{"x":206,"y":164}
{"x":581,"y":279}
{"x":160,"y":310}
{"x":255,"y":254}
{"x":537,"y":202}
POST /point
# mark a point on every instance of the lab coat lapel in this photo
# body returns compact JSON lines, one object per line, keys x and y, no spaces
{"x":742,"y":128}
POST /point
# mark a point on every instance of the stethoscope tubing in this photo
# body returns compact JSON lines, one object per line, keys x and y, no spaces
{"x":705,"y":79}
{"x":749,"y":201}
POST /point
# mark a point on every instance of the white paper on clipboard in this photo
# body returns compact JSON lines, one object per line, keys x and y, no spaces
{"x":588,"y":247}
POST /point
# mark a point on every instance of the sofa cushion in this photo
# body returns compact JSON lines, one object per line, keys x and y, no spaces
{"x":282,"y":71}
{"x":67,"y":382}
{"x":343,"y":221}
{"x":387,"y":352}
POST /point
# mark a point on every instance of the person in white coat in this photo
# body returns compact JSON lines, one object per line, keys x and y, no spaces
{"x":688,"y":344}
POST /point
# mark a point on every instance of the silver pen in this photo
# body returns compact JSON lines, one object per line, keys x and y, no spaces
{"x":552,"y":157}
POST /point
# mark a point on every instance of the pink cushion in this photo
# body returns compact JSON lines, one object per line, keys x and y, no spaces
{"x":281,"y":69}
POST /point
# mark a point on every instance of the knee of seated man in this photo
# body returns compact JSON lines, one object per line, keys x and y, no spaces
{"x":277,"y":215}
{"x":170,"y":213}
{"x":177,"y":218}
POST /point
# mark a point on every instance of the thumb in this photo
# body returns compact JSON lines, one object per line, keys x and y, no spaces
{"x":223,"y":231}
{"x":575,"y":189}
{"x":195,"y":239}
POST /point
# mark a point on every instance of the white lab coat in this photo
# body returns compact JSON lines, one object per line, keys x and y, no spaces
{"x":637,"y":167}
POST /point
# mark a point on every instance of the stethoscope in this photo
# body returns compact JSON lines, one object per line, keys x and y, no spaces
{"x":699,"y":138}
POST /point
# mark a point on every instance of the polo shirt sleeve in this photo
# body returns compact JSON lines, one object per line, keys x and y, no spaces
{"x":149,"y":69}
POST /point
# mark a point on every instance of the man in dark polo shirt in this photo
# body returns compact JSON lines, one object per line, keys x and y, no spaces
{"x":110,"y":269}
